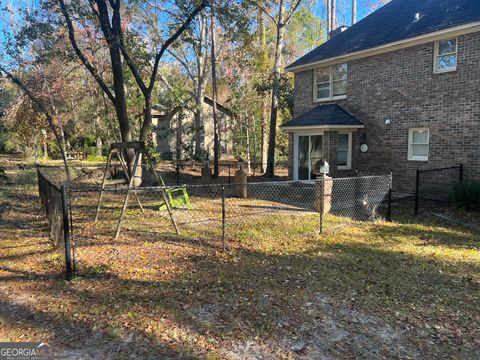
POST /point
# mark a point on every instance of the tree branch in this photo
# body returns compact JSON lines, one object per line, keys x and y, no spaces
{"x":131,"y":64}
{"x":81,"y":56}
{"x":261,"y":8}
{"x":293,"y":8}
{"x":174,"y":37}
{"x":183,"y":63}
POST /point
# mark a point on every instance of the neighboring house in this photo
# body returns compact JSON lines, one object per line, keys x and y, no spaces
{"x":397,"y":91}
{"x":166,"y":137}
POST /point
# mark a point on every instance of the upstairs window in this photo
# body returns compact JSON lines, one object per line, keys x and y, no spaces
{"x":331,"y":82}
{"x":445,"y":58}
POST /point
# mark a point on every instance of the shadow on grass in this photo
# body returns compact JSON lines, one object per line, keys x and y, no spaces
{"x":261,"y":290}
{"x":250,"y":291}
{"x":70,"y":335}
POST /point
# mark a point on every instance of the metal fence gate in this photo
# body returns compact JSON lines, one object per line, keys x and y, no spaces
{"x":434,"y":186}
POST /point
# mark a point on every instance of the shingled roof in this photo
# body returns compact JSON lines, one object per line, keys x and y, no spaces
{"x":328,"y":115}
{"x":395,"y":22}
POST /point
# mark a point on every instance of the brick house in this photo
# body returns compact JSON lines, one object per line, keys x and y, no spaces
{"x":397,"y":91}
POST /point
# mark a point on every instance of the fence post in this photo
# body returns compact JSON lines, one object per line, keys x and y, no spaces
{"x":389,"y":209}
{"x":38,"y":182}
{"x":177,"y":173}
{"x":417,"y":191}
{"x":66,"y":233}
{"x":229,"y":176}
{"x":223,"y":218}
{"x":322,"y":202}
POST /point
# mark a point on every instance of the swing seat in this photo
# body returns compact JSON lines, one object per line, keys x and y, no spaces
{"x":176,"y":198}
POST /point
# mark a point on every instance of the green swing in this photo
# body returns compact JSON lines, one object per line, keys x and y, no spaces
{"x":177,"y":197}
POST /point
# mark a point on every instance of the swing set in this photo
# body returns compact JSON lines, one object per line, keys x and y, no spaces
{"x":172,"y":198}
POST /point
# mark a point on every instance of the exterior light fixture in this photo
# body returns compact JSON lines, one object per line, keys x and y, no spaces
{"x":364,"y":146}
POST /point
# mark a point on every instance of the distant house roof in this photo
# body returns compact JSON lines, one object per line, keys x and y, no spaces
{"x":208,"y":100}
{"x":394,"y":22}
{"x":328,"y":116}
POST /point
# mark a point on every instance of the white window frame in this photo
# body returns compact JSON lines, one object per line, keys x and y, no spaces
{"x":297,"y":134}
{"x":330,"y":80}
{"x":349,"y":152}
{"x":436,"y":55}
{"x":412,"y":157}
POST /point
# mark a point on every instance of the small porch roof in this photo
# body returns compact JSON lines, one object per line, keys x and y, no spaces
{"x":328,"y":116}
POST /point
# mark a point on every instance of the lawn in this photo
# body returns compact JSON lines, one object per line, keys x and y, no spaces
{"x":406,"y":289}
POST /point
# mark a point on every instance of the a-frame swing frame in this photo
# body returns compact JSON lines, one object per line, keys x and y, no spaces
{"x":139,"y":150}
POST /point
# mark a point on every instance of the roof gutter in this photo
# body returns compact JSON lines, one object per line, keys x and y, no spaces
{"x":397,"y":45}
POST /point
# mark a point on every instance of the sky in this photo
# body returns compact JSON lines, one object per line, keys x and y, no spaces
{"x":344,"y":10}
{"x":364,"y":7}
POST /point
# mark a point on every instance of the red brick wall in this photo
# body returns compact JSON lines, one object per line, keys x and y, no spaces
{"x":401,"y":86}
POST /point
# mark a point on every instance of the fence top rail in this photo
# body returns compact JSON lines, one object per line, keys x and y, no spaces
{"x":440,"y":169}
{"x":76,"y":188}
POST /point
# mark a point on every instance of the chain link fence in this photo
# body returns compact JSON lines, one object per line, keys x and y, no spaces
{"x":191,"y":171}
{"x":217,"y":216}
{"x":54,"y":201}
{"x":434,"y":187}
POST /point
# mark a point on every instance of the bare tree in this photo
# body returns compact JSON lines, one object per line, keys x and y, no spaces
{"x":216,"y":125}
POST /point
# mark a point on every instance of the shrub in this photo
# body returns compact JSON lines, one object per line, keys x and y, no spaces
{"x":467,"y":195}
{"x":96,"y":158}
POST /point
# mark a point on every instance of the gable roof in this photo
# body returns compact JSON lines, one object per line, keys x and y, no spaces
{"x":328,"y":116}
{"x":395,"y":22}
{"x":209,"y":101}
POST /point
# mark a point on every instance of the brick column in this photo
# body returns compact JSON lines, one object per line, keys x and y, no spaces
{"x":323,"y":194}
{"x":330,"y":150}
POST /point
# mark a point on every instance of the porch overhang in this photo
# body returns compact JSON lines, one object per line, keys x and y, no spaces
{"x":324,"y":117}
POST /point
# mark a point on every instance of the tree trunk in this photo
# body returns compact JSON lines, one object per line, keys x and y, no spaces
{"x":98,"y":139}
{"x":45,"y":147}
{"x":354,"y":11}
{"x":264,"y":136}
{"x":216,"y":125}
{"x":200,"y":90}
{"x":254,"y":143}
{"x":270,"y":172}
{"x":264,"y":100}
{"x":60,"y":137}
{"x":329,"y":17}
{"x":334,"y":15}
{"x":247,"y":144}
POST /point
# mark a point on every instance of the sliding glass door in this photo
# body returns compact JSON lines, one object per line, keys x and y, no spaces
{"x":310,"y":156}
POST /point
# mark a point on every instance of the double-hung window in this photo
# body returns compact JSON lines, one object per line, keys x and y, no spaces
{"x":445,"y":58}
{"x":418,"y":143}
{"x":331,"y":82}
